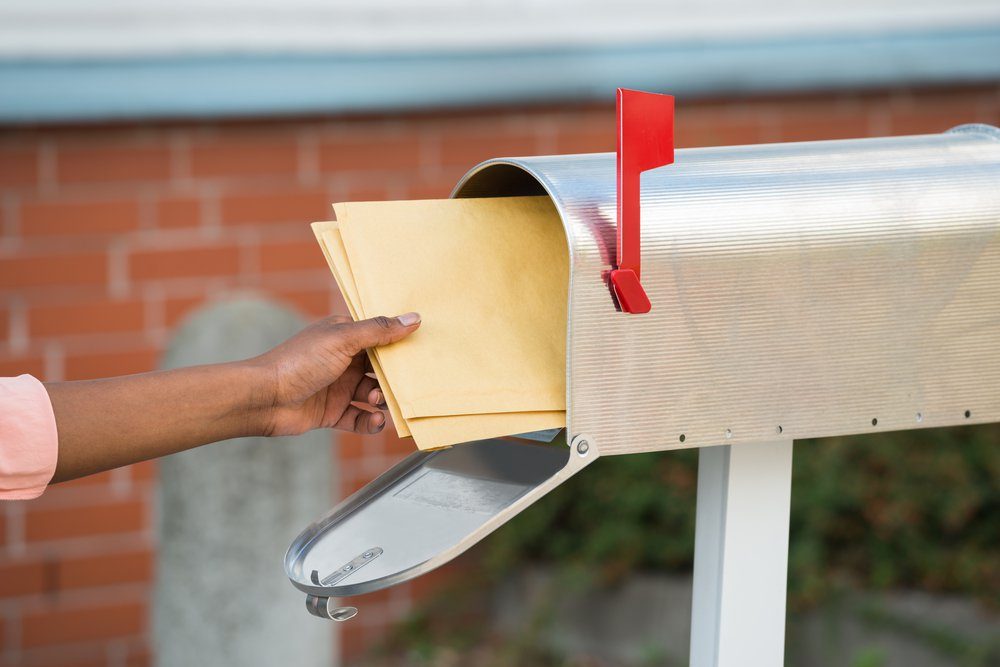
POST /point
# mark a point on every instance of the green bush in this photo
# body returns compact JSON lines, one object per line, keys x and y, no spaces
{"x":908,"y":509}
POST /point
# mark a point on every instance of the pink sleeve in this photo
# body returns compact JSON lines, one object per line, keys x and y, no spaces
{"x":29,"y":444}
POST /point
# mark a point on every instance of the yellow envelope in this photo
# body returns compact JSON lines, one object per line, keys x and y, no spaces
{"x":328,"y":235}
{"x":428,"y":431}
{"x":489,"y":277}
{"x":433,"y":432}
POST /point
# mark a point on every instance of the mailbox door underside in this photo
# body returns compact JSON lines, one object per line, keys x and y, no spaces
{"x":798,"y":290}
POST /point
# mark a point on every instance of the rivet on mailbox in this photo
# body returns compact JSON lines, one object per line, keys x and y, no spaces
{"x":799,"y":289}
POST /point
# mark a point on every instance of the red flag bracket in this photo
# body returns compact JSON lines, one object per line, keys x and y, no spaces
{"x":645,"y":141}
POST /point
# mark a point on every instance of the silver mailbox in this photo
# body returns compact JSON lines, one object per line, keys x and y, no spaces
{"x":798,"y":290}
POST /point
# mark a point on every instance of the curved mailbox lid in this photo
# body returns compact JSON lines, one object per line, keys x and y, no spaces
{"x":425,"y":511}
{"x":798,"y":290}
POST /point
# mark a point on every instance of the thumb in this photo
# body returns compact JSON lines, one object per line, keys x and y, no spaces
{"x":378,"y":331}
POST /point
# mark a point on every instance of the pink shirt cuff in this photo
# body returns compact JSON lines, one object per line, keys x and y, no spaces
{"x":29,"y":444}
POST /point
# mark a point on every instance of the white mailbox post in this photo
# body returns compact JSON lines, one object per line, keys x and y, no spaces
{"x":797,"y":291}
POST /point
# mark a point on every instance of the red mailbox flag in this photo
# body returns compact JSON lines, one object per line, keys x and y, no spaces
{"x":645,"y":141}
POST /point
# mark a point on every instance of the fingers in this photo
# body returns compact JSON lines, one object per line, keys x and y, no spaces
{"x":370,"y":422}
{"x":369,"y":392}
{"x":377,"y":331}
{"x":361,"y":421}
{"x":377,"y":399}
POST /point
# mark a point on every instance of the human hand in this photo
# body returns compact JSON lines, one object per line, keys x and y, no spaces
{"x":315,"y":378}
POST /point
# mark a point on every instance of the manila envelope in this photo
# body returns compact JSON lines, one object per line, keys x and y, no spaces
{"x":489,"y":277}
{"x":457,"y":428}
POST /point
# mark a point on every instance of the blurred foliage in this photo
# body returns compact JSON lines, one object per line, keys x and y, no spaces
{"x":907,"y":509}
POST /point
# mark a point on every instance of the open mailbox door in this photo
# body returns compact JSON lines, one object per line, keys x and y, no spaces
{"x":420,"y":514}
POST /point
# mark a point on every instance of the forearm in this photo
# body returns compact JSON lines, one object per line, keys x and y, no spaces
{"x":105,"y":424}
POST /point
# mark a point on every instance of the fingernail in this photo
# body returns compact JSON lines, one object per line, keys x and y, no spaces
{"x":378,"y":421}
{"x":409,"y":319}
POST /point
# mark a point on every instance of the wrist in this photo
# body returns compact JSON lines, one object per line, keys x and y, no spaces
{"x":258,"y":397}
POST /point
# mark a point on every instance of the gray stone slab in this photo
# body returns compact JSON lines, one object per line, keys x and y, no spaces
{"x":226,"y":514}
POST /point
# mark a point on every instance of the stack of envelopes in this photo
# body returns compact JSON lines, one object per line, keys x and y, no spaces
{"x":489,"y":278}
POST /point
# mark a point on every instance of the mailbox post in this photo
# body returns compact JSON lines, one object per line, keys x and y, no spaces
{"x":741,"y":555}
{"x":787,"y":291}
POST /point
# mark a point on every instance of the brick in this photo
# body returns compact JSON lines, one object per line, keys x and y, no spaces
{"x":370,"y":153}
{"x":304,"y":255}
{"x":64,"y":624}
{"x":73,"y":655}
{"x":426,"y":586}
{"x":104,"y":570}
{"x":101,"y":163}
{"x":146,"y":471}
{"x":935,"y":118}
{"x":13,"y":365}
{"x":246,"y":155}
{"x":48,"y":523}
{"x":300,"y":205}
{"x":364,"y":189}
{"x":952,"y":104}
{"x":22,"y":577}
{"x":349,"y":485}
{"x":814,"y":119}
{"x":587,"y":139}
{"x":584,"y":132}
{"x":191,"y":262}
{"x":424,"y":188}
{"x":89,"y":366}
{"x":175,"y":309}
{"x":86,"y":316}
{"x":50,"y":270}
{"x":468,"y":147}
{"x":78,"y":217}
{"x":396,"y":446}
{"x":384,"y":596}
{"x":353,"y":645}
{"x":312,"y":303}
{"x":18,"y":167}
{"x":350,"y":447}
{"x":694,"y":129}
{"x":101,"y":479}
{"x":178,"y":212}
{"x":139,"y":657}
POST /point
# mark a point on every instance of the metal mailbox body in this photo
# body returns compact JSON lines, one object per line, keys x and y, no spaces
{"x":798,"y":290}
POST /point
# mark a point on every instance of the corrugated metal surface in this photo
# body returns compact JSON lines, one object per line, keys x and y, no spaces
{"x":798,"y":290}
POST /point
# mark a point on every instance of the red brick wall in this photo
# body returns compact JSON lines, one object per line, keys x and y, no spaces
{"x":110,"y":235}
